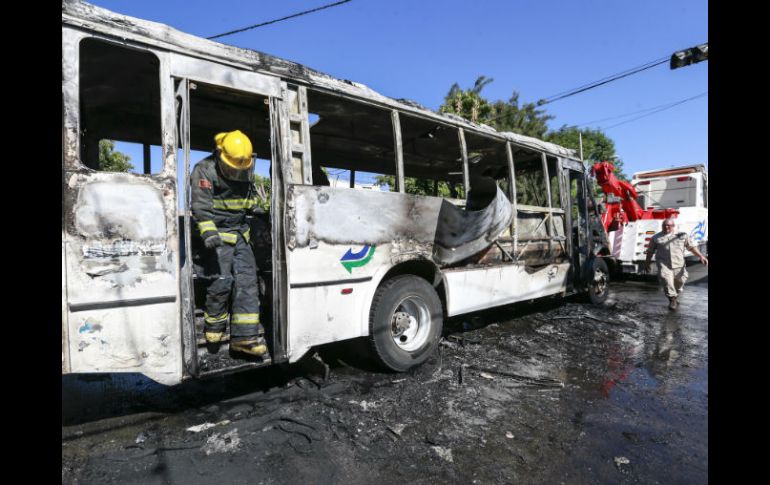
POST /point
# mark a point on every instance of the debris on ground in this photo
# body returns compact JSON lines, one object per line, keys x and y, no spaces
{"x":621,"y":460}
{"x":224,"y":443}
{"x":444,"y":453}
{"x":533,"y":393}
{"x":203,"y":427}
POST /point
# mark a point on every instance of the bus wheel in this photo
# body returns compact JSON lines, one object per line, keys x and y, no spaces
{"x":598,"y":281}
{"x":405,"y":322}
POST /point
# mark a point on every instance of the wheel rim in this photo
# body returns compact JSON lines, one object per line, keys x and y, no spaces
{"x":600,"y":282}
{"x":410,"y":323}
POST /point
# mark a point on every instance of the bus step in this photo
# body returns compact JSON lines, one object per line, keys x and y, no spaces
{"x":221,"y":362}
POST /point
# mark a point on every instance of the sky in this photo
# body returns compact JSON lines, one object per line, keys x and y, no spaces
{"x":418,"y":49}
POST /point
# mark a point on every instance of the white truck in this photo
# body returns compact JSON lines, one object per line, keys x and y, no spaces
{"x":682,"y":188}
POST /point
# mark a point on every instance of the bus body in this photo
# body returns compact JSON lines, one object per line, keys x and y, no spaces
{"x":500,"y":224}
{"x":682,"y":188}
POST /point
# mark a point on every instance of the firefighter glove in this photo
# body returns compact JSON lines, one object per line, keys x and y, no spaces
{"x":212,"y":242}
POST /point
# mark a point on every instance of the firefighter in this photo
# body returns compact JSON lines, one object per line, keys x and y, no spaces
{"x":223,"y":193}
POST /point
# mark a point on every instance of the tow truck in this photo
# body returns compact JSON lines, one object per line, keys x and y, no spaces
{"x":634,"y":211}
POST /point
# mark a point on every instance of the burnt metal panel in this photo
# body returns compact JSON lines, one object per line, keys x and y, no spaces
{"x":435,"y":228}
{"x":462,"y":233}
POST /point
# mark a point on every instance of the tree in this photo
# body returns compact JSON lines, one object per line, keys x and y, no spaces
{"x":508,"y":115}
{"x":111,"y":160}
{"x":468,"y":103}
{"x":525,"y":120}
{"x":417,"y":186}
{"x":263,"y":191}
{"x":597,"y":146}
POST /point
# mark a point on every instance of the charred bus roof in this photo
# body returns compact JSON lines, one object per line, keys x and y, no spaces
{"x":81,"y":15}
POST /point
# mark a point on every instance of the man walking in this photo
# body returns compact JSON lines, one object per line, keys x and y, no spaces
{"x":668,"y":248}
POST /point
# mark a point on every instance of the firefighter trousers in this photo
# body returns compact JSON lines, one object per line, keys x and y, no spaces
{"x":237,"y":276}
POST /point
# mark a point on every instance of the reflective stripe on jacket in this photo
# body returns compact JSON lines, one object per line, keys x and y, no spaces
{"x":220,"y":205}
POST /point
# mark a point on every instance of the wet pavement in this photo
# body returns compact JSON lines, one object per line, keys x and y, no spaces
{"x":555,"y":391}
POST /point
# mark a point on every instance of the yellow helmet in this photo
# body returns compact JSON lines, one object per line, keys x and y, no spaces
{"x":235,"y":149}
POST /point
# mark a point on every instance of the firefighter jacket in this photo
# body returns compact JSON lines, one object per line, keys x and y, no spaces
{"x":220,"y":205}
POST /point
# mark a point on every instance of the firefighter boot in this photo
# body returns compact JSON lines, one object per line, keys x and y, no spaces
{"x":214,"y":337}
{"x":256,"y":346}
{"x":672,"y":303}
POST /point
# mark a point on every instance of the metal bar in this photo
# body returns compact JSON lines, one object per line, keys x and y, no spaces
{"x":549,"y":239}
{"x":548,"y":196}
{"x":352,"y":179}
{"x":512,"y":192}
{"x":71,"y":96}
{"x":280,"y":172}
{"x":168,"y":122}
{"x":307,"y":166}
{"x":101,"y":305}
{"x":464,"y":154}
{"x":146,"y":158}
{"x":398,"y":150}
{"x":182,"y":96}
{"x":565,"y":191}
{"x":497,"y":242}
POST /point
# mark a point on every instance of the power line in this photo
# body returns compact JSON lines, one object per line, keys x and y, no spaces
{"x":601,"y":82}
{"x":665,"y":105}
{"x":279,"y":20}
{"x":586,"y":87}
{"x":657,"y":111}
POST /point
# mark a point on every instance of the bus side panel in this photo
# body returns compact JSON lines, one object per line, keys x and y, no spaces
{"x":348,"y":239}
{"x":326,"y":300}
{"x":122,"y":277}
{"x":128,"y":339}
{"x":479,"y":288}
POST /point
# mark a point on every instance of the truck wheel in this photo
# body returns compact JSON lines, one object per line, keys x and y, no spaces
{"x":598,"y":281}
{"x":405,"y":322}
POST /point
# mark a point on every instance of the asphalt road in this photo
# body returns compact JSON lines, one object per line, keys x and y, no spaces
{"x":556,"y":391}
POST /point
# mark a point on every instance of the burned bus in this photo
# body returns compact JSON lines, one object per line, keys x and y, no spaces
{"x":498,"y":217}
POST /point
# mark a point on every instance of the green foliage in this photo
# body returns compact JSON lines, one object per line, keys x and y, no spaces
{"x":530,"y":187}
{"x":597,"y":146}
{"x":421,"y":186}
{"x":263,"y":191}
{"x":509,"y":115}
{"x":111,"y":160}
{"x":527,"y":119}
{"x":468,"y":103}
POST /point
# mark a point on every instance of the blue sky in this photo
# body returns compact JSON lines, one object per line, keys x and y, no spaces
{"x":418,"y":49}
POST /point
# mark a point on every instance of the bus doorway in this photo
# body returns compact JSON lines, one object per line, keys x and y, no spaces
{"x":206,"y":108}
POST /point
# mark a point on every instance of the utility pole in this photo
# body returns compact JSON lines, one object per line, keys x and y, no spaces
{"x":689,"y":56}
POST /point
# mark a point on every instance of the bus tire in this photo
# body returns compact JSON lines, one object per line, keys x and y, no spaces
{"x":405,"y":322}
{"x":598,"y":281}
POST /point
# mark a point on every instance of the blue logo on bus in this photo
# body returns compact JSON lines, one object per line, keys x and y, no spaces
{"x":352,"y":260}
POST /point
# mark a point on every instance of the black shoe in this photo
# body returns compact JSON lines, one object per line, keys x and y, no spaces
{"x":672,"y":303}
